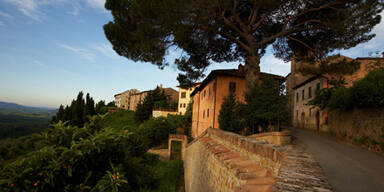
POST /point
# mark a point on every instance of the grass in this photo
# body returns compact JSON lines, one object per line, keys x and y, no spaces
{"x":169,"y":174}
{"x":120,"y":120}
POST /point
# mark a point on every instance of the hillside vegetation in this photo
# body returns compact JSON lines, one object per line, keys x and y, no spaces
{"x":108,"y":154}
{"x":17,"y":120}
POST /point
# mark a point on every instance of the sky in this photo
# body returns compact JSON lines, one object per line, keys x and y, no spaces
{"x":52,"y":49}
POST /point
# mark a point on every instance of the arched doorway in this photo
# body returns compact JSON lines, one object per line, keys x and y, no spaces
{"x":318,"y":121}
{"x":302,"y":122}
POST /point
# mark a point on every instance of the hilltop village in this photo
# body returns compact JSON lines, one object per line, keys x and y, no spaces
{"x":214,"y":152}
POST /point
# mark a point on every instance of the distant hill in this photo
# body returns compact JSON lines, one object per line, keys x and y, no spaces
{"x":16,"y":109}
{"x":18,"y":120}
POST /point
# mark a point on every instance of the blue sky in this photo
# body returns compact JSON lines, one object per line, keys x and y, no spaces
{"x":52,"y":49}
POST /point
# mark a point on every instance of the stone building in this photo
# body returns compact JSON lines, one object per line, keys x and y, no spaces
{"x":301,"y":89}
{"x":208,"y":97}
{"x":122,"y":100}
{"x":138,"y":97}
{"x":185,"y":98}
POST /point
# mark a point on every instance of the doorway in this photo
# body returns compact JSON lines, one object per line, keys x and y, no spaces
{"x":302,"y":122}
{"x":175,"y":150}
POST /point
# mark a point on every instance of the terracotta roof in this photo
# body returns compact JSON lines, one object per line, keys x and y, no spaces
{"x":229,"y":72}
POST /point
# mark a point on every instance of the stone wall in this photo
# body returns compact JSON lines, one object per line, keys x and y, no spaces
{"x":276,"y":138}
{"x":361,"y":126}
{"x":163,"y":113}
{"x":223,"y":161}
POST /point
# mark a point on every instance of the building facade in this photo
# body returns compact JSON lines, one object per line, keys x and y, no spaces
{"x":122,"y":100}
{"x":185,"y":98}
{"x":302,"y":89}
{"x":136,"y":98}
{"x":208,"y":97}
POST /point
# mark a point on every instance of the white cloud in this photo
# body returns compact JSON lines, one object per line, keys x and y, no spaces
{"x":33,"y":8}
{"x":6,"y":15}
{"x":28,"y":8}
{"x":85,"y":54}
{"x":105,"y":49}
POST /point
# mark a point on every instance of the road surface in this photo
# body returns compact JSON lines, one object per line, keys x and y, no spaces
{"x":348,"y":168}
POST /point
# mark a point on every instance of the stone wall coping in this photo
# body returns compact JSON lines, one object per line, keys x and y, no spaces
{"x":197,"y":138}
{"x":177,"y":136}
{"x":298,"y":171}
{"x":277,"y":133}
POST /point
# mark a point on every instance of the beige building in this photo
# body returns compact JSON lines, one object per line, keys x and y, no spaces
{"x":301,"y":89}
{"x":138,"y":97}
{"x":185,"y":98}
{"x":122,"y":99}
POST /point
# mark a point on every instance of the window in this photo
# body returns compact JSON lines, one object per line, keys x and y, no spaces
{"x":209,"y":91}
{"x":297,"y":97}
{"x":205,"y":92}
{"x":302,"y":96}
{"x":318,"y":86}
{"x":207,"y":113}
{"x":183,"y":95}
{"x":309,"y":92}
{"x":181,"y":105}
{"x":203,"y":114}
{"x":184,"y":105}
{"x":232,"y":87}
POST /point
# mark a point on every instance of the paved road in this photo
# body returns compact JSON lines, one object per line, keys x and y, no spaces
{"x":348,"y":168}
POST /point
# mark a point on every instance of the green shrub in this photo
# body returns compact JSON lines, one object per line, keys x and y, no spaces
{"x":229,"y":117}
{"x":154,"y":131}
{"x":340,"y":99}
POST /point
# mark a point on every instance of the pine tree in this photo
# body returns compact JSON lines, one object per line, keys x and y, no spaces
{"x":229,"y":119}
{"x":266,"y":104}
{"x":144,"y":108}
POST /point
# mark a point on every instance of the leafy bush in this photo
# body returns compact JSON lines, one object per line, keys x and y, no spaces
{"x":367,"y":92}
{"x":266,"y":104}
{"x":104,"y":155}
{"x":154,"y":131}
{"x":229,"y":117}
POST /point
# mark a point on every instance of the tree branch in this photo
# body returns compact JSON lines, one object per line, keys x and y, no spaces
{"x":301,"y":42}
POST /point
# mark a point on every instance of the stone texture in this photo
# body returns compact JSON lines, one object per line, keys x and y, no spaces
{"x":223,"y":161}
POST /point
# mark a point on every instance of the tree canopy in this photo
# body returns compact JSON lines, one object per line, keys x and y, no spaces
{"x":236,"y":30}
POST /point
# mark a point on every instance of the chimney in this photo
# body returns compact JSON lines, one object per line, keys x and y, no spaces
{"x":161,"y":86}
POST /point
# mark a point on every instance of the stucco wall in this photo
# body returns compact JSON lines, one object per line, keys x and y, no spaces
{"x":306,"y":116}
{"x":276,"y":138}
{"x":207,"y":102}
{"x":162,"y":113}
{"x":363,"y":126}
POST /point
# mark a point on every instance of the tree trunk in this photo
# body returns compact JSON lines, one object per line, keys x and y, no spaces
{"x":252,"y":69}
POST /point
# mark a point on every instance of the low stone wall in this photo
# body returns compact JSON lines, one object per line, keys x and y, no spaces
{"x":360,"y":126}
{"x":276,"y":138}
{"x":163,"y":113}
{"x":223,"y":161}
